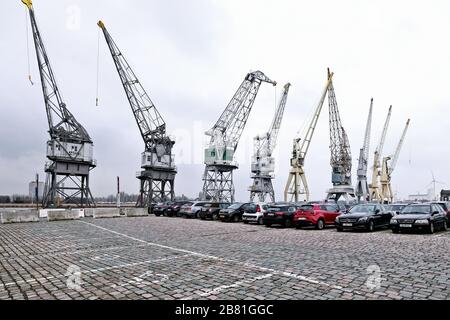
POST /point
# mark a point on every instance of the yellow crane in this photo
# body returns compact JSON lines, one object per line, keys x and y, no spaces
{"x":297,"y":184}
{"x":374,"y":187}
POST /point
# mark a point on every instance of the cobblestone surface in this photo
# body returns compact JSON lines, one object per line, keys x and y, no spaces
{"x":170,"y":258}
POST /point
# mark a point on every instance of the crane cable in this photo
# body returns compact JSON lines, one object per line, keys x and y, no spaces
{"x":28,"y":48}
{"x":98,"y":69}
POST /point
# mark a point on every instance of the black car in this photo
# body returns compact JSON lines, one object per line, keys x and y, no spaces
{"x":426,"y":217}
{"x":282,"y":215}
{"x":365,"y":217}
{"x":233,"y":213}
{"x":446,"y":206}
{"x":160,"y":208}
{"x":211,"y":210}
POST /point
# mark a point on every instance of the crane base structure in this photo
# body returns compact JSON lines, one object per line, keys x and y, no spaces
{"x":67,"y":183}
{"x":262,"y":188}
{"x":296,"y":180}
{"x":218,"y":183}
{"x":338,"y":192}
{"x":156,"y":186}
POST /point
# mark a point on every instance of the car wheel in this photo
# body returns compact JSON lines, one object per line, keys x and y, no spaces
{"x":431,"y":229}
{"x":371,"y":226}
{"x":260,"y":221}
{"x":339,"y":229}
{"x":395,"y":231}
{"x":268,"y":225}
{"x":215,"y":216}
{"x":158,"y":214}
{"x":245,"y":222}
{"x":320,"y":225}
{"x":445,"y":226}
{"x":235,"y":218}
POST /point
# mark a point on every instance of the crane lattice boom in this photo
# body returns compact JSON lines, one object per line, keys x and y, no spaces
{"x":341,"y":158}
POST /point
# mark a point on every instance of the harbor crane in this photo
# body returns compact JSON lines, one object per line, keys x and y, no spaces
{"x":224,"y":139}
{"x":374,"y":187}
{"x":263,"y":164}
{"x":362,"y":188}
{"x":297,"y":184}
{"x":157,"y":178}
{"x":341,"y":158}
{"x":70,"y":148}
{"x":388,"y":167}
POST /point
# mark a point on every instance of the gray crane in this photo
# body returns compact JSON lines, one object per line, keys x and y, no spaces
{"x":362,"y":187}
{"x":70,"y":148}
{"x":157,"y":178}
{"x":224,"y":139}
{"x":263,"y":163}
{"x":341,"y":158}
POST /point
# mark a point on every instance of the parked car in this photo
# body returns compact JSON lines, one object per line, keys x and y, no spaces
{"x":174,"y":209}
{"x":160,"y":208}
{"x":396,"y":207}
{"x":446,"y":206}
{"x":192,"y":210}
{"x":211,"y":210}
{"x":280,"y":215}
{"x":150,"y":208}
{"x":233,"y":213}
{"x":317,"y":215}
{"x":254,"y":213}
{"x":427,"y":217}
{"x":364,"y":216}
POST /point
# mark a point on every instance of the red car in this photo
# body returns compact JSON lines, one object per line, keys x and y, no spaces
{"x":317,"y":215}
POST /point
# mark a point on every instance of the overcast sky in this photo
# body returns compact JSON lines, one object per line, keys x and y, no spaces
{"x":191,"y":56}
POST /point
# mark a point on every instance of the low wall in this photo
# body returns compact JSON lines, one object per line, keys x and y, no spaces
{"x":18,"y":216}
{"x":104,"y":213}
{"x":61,"y":215}
{"x":135,"y":212}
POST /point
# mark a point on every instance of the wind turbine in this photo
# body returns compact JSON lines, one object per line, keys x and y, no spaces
{"x":433,"y":183}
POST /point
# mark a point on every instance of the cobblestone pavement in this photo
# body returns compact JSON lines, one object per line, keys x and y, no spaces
{"x":170,"y":258}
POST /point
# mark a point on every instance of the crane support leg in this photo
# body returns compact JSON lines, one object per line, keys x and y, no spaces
{"x":155,"y":186}
{"x":262,"y":189}
{"x":218,"y":183}
{"x":296,"y":186}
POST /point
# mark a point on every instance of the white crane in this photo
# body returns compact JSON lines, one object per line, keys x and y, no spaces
{"x":263,"y":164}
{"x":388,"y":169}
{"x":362,"y":188}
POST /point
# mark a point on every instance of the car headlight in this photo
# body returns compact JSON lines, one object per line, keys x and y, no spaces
{"x":394,"y":220}
{"x":422,"y":222}
{"x":364,"y":219}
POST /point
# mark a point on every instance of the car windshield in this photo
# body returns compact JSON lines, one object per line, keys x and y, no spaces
{"x":395,"y":207}
{"x":235,"y":206}
{"x":306,"y":208}
{"x":362,"y":208}
{"x":207,"y":205}
{"x":251,"y":208}
{"x":417,"y":209}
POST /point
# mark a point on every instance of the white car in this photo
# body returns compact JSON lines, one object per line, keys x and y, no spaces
{"x":254,"y":213}
{"x":192,"y":211}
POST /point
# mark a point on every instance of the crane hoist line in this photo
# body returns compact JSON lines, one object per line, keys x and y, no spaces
{"x":157,"y":178}
{"x":263,"y":163}
{"x":70,"y":148}
{"x":224,"y":138}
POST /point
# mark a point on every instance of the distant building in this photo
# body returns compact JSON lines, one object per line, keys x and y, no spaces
{"x":422,"y":197}
{"x":32,"y":191}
